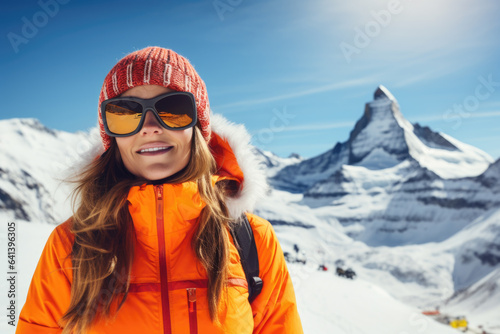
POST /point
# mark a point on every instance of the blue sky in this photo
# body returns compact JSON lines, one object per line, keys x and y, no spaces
{"x":296,"y":73}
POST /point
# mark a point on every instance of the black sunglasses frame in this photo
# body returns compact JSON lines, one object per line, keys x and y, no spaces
{"x":147,"y":105}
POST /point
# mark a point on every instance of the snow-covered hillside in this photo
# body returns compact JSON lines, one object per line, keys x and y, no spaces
{"x":479,"y":301}
{"x":403,"y":204}
{"x":422,"y":276}
{"x":476,"y":249}
{"x":33,"y":160}
{"x":275,"y":163}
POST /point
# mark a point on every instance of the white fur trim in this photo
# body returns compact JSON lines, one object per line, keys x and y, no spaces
{"x":254,"y":184}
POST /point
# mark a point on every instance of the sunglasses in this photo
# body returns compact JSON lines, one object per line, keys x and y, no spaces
{"x":124,"y":116}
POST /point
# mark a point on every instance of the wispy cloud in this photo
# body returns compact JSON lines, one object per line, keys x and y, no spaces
{"x":321,"y":147}
{"x":486,"y":138}
{"x":313,"y":127}
{"x":305,"y":131}
{"x":350,"y":124}
{"x":311,"y":91}
{"x":437,"y":72}
{"x":414,"y":79}
{"x":441,"y":117}
{"x":485,"y":114}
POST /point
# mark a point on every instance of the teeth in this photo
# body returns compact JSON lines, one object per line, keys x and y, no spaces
{"x":154,"y":149}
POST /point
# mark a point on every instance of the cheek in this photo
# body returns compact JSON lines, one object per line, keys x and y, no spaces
{"x":124,"y":144}
{"x":184,"y":138}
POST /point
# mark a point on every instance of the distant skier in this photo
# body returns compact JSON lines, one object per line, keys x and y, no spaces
{"x":349,"y":273}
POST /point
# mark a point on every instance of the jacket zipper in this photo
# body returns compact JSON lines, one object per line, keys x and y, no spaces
{"x":165,"y":306}
{"x":193,"y":322}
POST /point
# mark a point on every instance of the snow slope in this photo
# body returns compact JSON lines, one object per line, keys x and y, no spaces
{"x":421,"y":276}
{"x":479,"y":302}
{"x":330,"y":304}
{"x":476,"y":249}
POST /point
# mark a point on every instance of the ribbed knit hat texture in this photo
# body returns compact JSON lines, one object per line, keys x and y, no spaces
{"x":156,"y":66}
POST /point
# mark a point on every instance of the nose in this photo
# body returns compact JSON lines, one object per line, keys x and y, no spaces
{"x":151,"y":124}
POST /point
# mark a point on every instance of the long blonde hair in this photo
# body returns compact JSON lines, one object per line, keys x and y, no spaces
{"x":102,"y":252}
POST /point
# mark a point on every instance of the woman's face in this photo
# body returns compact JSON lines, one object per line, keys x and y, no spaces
{"x":174,"y":146}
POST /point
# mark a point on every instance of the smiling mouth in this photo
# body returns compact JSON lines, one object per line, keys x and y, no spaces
{"x":156,"y":150}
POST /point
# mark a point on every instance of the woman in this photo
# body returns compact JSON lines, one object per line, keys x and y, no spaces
{"x":148,"y":248}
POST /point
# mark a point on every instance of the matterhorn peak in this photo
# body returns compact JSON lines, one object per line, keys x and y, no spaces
{"x":383,"y":93}
{"x":379,"y":131}
{"x":382,"y":138}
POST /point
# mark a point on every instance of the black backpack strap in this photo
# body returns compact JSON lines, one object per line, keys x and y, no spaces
{"x":245,"y":243}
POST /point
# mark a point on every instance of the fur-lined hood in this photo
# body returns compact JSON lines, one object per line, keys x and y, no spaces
{"x":254,"y":184}
{"x":232,"y":142}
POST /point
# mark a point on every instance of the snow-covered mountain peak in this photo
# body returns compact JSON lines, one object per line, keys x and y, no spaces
{"x":379,"y":129}
{"x":383,"y":93}
{"x":22,"y":126}
{"x":385,"y":131}
{"x":383,"y":138}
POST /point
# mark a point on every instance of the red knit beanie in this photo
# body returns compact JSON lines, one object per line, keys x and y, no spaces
{"x":156,"y":66}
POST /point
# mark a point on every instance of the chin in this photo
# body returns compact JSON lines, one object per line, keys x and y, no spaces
{"x":158,"y":174}
{"x":155,"y":177}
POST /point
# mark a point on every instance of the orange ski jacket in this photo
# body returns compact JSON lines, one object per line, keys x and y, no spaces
{"x":168,"y":291}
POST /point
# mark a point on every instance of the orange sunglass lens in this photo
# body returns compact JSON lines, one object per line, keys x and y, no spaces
{"x":123,"y":119}
{"x":174,"y":120}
